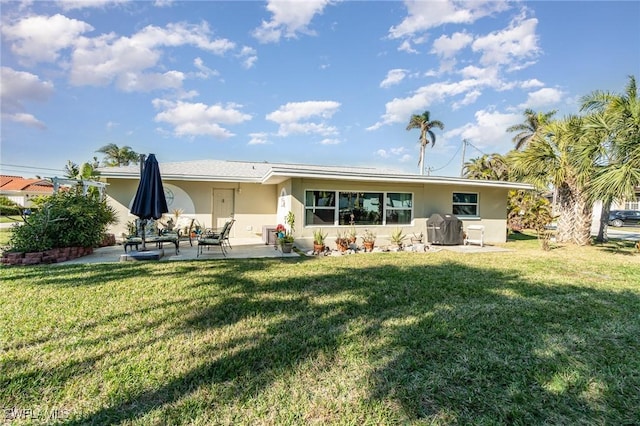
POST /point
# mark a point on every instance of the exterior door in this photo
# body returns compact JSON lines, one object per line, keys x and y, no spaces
{"x":222,"y":209}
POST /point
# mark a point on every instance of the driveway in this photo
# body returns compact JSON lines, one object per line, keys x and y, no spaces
{"x":622,"y":234}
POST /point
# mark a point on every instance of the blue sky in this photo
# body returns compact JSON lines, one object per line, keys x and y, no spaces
{"x":318,"y":82}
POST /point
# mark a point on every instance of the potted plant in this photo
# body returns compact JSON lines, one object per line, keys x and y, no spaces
{"x":351,"y":235}
{"x":285,"y":237}
{"x":416,"y":238}
{"x":368,"y":240}
{"x":318,"y":241}
{"x":396,"y":239}
{"x":342,"y":241}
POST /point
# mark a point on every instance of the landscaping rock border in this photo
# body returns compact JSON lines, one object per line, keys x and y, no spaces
{"x":56,"y":255}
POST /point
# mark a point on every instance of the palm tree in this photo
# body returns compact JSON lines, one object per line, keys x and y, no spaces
{"x":116,"y":156}
{"x":85,"y":171}
{"x":425,"y":124}
{"x":530,"y":128}
{"x":613,"y":144}
{"x":487,"y":167}
{"x":549,"y":160}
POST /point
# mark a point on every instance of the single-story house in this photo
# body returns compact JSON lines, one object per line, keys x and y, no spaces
{"x":258,"y":195}
{"x":22,"y":190}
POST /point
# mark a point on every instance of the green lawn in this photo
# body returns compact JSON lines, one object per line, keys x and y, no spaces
{"x":525,"y":337}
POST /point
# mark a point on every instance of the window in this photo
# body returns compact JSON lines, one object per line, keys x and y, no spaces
{"x":465,"y":204}
{"x":399,"y":208}
{"x":357,"y":208}
{"x":320,"y":208}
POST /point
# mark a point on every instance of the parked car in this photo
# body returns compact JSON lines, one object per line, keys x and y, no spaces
{"x":620,"y":218}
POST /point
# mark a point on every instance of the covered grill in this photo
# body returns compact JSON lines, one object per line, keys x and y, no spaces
{"x":444,"y":229}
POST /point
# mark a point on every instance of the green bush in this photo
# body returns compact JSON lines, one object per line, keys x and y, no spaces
{"x":9,"y":208}
{"x":63,"y":220}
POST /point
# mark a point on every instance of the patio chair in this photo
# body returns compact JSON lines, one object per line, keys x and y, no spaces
{"x":212,"y":238}
{"x":152,"y":236}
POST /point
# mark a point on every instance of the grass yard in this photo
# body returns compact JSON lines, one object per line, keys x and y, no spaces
{"x":525,"y":337}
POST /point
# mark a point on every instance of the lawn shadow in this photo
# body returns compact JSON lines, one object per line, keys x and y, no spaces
{"x":468,"y":345}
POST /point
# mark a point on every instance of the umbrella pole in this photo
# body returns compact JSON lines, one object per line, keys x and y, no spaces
{"x":143,"y":223}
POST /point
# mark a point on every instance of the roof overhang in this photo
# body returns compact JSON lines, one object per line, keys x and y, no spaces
{"x":277,"y":174}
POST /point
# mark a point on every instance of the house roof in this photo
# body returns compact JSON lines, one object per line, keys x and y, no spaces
{"x":274,"y":173}
{"x":18,"y":183}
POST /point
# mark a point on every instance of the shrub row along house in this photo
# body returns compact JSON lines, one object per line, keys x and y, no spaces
{"x":259,"y":195}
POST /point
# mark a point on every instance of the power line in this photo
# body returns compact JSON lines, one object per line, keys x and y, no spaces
{"x":18,"y":168}
{"x":449,"y":162}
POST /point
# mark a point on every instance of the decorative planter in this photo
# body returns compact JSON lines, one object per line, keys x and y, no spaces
{"x":342,"y":244}
{"x":318,"y":248}
{"x":368,"y":245}
{"x":286,"y":247}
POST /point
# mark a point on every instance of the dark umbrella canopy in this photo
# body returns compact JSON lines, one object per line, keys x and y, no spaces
{"x":150,"y":202}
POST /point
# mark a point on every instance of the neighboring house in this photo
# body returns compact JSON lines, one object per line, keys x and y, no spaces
{"x":21,"y":191}
{"x":633,"y":204}
{"x":260,"y":195}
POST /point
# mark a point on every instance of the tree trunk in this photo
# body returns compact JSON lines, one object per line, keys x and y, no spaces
{"x":603,"y":236}
{"x":582,"y":220}
{"x":564,"y":209}
{"x":574,"y":222}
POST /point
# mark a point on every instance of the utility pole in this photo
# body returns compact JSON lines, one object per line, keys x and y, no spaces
{"x":464,"y":149}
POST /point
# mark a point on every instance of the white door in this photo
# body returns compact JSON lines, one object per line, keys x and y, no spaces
{"x":222,"y":209}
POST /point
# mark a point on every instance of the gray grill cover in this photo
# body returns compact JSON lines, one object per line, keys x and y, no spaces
{"x":444,"y":229}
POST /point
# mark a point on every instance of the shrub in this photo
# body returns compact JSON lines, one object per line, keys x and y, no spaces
{"x":9,"y":208}
{"x":65,"y":219}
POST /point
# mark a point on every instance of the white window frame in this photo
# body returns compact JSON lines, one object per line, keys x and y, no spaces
{"x":476,"y":204}
{"x":336,"y":207}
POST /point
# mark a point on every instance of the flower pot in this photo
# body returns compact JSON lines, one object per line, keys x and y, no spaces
{"x":368,"y":245}
{"x":318,"y":248}
{"x":286,"y":247}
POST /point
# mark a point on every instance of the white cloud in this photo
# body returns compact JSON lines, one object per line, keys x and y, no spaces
{"x":406,"y":46}
{"x":543,"y":97}
{"x":382,"y":153}
{"x":424,"y":15}
{"x":294,"y":117}
{"x":101,"y":60}
{"x":41,"y":38}
{"x":288,"y":19}
{"x":198,"y":119}
{"x":204,"y":71}
{"x":249,"y":56}
{"x":469,"y":98}
{"x":399,"y":110}
{"x":258,"y":139}
{"x":330,"y":141}
{"x":24,"y":118}
{"x":19,"y":87}
{"x":531,"y":83}
{"x":394,"y":76}
{"x":147,"y":82}
{"x":488,"y":131}
{"x":514,"y":46}
{"x":447,"y":47}
{"x":85,"y":4}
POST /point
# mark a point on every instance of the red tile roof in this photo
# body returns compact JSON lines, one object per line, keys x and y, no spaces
{"x":18,"y":183}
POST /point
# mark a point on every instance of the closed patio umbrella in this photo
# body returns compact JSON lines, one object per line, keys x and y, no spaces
{"x":149,"y":202}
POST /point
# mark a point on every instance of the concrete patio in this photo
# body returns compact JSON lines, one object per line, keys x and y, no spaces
{"x":242,"y":248}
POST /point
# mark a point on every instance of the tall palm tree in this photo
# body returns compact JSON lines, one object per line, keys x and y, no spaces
{"x":530,"y":128}
{"x":425,"y":124}
{"x":549,"y":160}
{"x":613,"y":143}
{"x":118,"y":156}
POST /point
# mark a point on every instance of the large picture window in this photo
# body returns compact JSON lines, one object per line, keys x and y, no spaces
{"x":357,"y":208}
{"x":465,"y":204}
